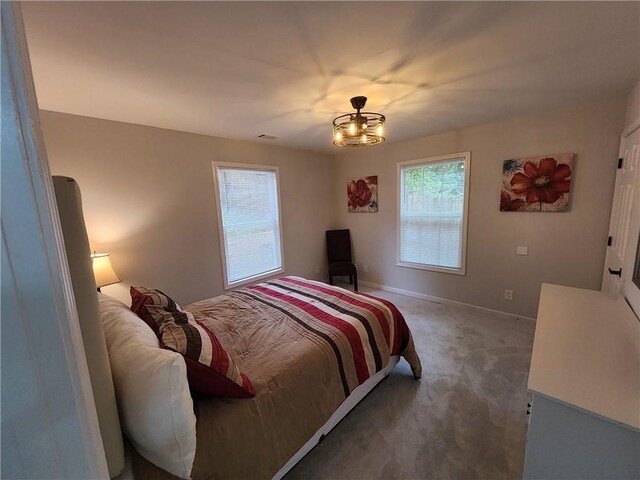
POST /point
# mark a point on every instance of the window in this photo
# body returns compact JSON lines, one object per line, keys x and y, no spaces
{"x":432,"y":219}
{"x":249,"y":222}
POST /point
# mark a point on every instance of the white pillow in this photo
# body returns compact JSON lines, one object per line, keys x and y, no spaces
{"x":151,"y":386}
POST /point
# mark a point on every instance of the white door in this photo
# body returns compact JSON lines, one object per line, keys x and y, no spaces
{"x":624,"y":228}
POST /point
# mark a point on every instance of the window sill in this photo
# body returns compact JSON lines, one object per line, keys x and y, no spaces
{"x":433,"y":268}
{"x":256,"y":278}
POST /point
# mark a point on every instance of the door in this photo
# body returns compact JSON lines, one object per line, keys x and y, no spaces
{"x":625,"y":223}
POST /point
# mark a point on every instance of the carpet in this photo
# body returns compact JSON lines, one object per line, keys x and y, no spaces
{"x":465,"y":419}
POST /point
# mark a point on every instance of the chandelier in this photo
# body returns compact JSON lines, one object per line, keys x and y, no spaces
{"x":358,"y":129}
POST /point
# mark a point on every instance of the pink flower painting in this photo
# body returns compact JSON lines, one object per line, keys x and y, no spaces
{"x":362,"y":195}
{"x":536,"y":184}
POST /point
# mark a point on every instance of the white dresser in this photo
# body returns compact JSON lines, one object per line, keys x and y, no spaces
{"x":585,"y":380}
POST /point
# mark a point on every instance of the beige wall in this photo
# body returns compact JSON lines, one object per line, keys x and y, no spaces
{"x":149,"y":201}
{"x":633,"y":106}
{"x":564,"y":248}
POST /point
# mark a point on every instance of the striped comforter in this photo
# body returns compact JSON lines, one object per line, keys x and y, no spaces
{"x":362,"y":331}
{"x":305,"y":346}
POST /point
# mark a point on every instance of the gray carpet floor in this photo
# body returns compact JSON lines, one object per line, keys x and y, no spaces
{"x":465,"y":419}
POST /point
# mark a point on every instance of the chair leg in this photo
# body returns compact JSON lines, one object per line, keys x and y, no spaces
{"x":351,"y":279}
{"x":355,"y":282}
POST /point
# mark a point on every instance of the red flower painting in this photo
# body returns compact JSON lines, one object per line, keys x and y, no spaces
{"x":362,"y":194}
{"x":540,"y":184}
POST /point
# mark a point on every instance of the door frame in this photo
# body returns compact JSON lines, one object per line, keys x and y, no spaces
{"x":49,"y":421}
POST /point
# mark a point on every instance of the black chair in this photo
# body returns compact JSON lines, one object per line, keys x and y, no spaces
{"x":339,"y":256}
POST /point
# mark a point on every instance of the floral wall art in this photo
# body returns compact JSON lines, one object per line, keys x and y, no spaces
{"x":537,"y":184}
{"x":362,"y":195}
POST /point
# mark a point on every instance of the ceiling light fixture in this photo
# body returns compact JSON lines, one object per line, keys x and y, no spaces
{"x":358,"y":129}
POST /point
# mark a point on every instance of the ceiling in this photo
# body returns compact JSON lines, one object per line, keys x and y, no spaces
{"x":237,"y":70}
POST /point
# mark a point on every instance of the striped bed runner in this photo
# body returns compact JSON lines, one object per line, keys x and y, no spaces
{"x":361,"y":330}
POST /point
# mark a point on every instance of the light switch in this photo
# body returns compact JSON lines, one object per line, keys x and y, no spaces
{"x":522,"y":250}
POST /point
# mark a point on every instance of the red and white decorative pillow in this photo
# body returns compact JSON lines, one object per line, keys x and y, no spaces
{"x":210,"y":369}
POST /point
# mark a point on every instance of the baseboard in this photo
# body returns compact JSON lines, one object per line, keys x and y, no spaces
{"x":431,"y":298}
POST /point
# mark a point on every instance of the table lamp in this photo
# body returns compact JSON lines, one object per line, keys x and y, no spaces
{"x":103,"y":272}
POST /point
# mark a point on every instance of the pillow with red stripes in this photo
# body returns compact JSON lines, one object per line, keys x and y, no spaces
{"x":210,"y":369}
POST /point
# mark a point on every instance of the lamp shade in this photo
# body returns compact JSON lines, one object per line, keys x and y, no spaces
{"x":103,"y":271}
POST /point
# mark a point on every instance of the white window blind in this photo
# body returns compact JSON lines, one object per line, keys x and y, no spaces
{"x":432,"y":225}
{"x":250,"y":221}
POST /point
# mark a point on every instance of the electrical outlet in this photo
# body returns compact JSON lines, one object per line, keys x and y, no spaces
{"x":317,"y":269}
{"x":365,"y":268}
{"x":508,"y":294}
{"x":522,"y":250}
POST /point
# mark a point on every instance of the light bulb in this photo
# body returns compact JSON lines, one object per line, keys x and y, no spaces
{"x":364,"y":138}
{"x":338,"y":135}
{"x":364,"y":126}
{"x":352,"y":128}
{"x":380,"y":130}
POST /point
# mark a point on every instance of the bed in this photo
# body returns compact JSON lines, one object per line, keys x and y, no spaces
{"x":309,"y":350}
{"x":312,"y":351}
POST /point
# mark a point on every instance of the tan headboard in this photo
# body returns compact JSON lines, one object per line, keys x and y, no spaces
{"x":84,"y":288}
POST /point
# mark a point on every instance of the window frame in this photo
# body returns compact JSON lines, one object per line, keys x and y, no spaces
{"x":466,"y":157}
{"x":255,"y":278}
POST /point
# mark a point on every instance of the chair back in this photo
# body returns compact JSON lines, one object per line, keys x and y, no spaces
{"x":338,"y":246}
